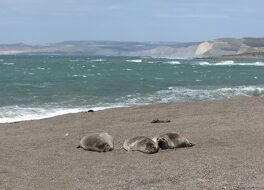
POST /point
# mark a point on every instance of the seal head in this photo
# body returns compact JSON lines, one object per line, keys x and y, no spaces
{"x":172,"y":140}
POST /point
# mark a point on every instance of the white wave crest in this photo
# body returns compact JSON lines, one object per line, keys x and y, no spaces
{"x":15,"y":113}
{"x":8,"y":63}
{"x":230,"y":63}
{"x":135,"y":60}
{"x":173,"y":62}
{"x":182,"y":94}
{"x":174,"y":94}
{"x":204,"y":63}
{"x":41,"y":68}
{"x":97,"y":60}
{"x":127,"y":69}
{"x":10,"y":114}
{"x":253,"y":64}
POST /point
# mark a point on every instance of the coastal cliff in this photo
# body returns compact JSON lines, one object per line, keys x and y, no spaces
{"x":245,"y":47}
{"x":231,"y":47}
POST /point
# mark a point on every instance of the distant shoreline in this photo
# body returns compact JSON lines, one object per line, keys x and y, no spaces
{"x":226,"y":47}
{"x":253,"y":55}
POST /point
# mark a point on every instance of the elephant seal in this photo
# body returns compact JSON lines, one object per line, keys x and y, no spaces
{"x":141,"y":144}
{"x":172,"y":140}
{"x":100,"y":142}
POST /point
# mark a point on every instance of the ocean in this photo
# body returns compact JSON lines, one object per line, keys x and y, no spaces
{"x":35,"y":87}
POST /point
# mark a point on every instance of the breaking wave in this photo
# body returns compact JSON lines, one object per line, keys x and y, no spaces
{"x":97,"y":60}
{"x":135,"y":60}
{"x":10,"y":114}
{"x":173,"y":62}
{"x":8,"y":63}
{"x":174,"y":94}
{"x":230,"y":63}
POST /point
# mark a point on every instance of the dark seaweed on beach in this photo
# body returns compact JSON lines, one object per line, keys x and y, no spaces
{"x":160,"y":121}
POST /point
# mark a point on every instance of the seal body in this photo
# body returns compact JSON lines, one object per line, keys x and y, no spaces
{"x":172,"y":140}
{"x":100,"y":142}
{"x":141,"y":144}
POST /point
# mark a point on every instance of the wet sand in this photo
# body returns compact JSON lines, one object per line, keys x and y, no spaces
{"x":229,"y":150}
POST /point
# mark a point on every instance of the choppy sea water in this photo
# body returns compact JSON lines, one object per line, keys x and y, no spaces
{"x":34,"y":87}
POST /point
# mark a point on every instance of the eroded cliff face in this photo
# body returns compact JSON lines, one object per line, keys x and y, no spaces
{"x":222,"y":47}
{"x":218,"y":48}
{"x":203,"y":48}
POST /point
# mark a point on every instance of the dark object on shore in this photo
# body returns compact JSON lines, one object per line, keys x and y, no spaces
{"x":160,"y":121}
{"x":90,"y":111}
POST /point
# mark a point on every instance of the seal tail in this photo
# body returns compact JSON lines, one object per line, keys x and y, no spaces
{"x":78,"y":146}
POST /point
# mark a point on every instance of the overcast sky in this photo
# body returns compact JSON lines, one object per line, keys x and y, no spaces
{"x":47,"y":21}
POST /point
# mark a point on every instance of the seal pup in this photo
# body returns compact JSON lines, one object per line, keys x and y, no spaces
{"x":172,"y":140}
{"x":100,"y":142}
{"x":141,"y":144}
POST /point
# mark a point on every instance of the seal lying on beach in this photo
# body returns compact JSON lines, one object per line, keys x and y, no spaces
{"x":172,"y":140}
{"x":100,"y":142}
{"x":141,"y":144}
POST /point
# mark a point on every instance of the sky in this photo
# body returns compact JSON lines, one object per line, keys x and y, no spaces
{"x":50,"y":21}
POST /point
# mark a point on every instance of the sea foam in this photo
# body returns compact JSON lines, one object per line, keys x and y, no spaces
{"x":10,"y":114}
{"x":15,"y":113}
{"x":185,"y":94}
{"x":176,"y":94}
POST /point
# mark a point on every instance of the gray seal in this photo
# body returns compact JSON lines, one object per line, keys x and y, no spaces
{"x":99,"y":142}
{"x":172,"y":140}
{"x":141,"y":144}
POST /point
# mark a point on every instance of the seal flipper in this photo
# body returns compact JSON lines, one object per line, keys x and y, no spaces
{"x":78,"y":146}
{"x":191,"y":144}
{"x":185,"y":144}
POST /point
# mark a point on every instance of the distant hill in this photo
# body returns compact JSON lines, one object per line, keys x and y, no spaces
{"x":108,"y":48}
{"x":213,"y":48}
